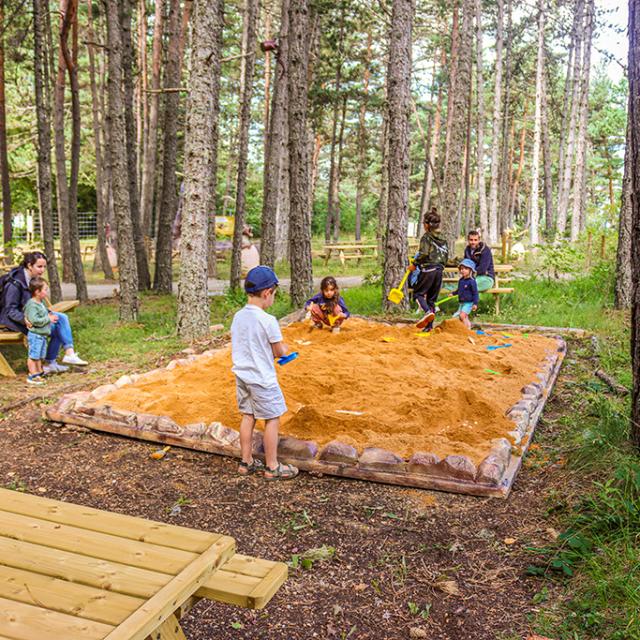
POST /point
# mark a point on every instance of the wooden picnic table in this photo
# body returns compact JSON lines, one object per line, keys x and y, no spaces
{"x":354,"y":251}
{"x":69,"y":572}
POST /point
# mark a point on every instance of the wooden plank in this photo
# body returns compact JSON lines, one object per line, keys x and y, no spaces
{"x":93,"y":544}
{"x":11,"y":337}
{"x":66,"y":597}
{"x":111,"y":576}
{"x":27,"y":622}
{"x":5,"y":368}
{"x":245,"y":581}
{"x":64,"y":306}
{"x":162,"y":605}
{"x":171,"y":630}
{"x":125,"y":526}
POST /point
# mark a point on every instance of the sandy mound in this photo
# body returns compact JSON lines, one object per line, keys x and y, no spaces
{"x":370,"y":385}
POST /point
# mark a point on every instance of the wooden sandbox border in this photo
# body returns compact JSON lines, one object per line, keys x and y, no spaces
{"x":493,"y":477}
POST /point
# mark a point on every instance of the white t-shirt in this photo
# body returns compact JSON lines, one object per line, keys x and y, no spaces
{"x":253,"y":331}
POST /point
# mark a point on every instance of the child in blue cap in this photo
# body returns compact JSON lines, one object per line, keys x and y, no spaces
{"x":256,"y":340}
{"x":467,"y":291}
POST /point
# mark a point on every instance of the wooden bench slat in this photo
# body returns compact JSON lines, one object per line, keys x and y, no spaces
{"x":66,"y":597}
{"x":113,"y":576}
{"x":125,"y":526}
{"x":500,"y":290}
{"x":102,"y":546}
{"x":64,"y":306}
{"x":245,"y":581}
{"x":29,"y":622}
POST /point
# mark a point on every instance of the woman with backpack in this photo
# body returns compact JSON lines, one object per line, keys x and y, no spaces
{"x":15,"y":295}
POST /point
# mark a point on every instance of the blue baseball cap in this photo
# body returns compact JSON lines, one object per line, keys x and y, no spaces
{"x":470,"y":264}
{"x":260,"y":278}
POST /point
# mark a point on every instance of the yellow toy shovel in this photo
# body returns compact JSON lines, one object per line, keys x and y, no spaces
{"x":397,"y":295}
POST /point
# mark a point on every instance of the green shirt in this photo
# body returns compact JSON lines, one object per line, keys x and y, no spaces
{"x":38,"y":315}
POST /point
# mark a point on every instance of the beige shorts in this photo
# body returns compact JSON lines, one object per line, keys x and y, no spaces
{"x":263,"y":403}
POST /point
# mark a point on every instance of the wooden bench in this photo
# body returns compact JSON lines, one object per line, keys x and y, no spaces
{"x":451,"y":275}
{"x":69,"y":572}
{"x":15,"y":337}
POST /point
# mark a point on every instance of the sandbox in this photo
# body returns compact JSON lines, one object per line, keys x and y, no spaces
{"x":453,"y":410}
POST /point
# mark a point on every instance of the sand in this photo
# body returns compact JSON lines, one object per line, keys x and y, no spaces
{"x":370,"y":385}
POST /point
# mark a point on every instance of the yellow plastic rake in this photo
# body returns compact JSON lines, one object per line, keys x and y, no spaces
{"x":397,"y":295}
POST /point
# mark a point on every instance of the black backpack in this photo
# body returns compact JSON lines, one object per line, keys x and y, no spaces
{"x":4,"y":280}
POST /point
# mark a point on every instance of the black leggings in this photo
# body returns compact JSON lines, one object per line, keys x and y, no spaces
{"x":428,"y":287}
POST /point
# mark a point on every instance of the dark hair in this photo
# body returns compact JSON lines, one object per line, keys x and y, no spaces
{"x":473,"y":232}
{"x":330,"y":281}
{"x":432,"y":218}
{"x":36,"y":284}
{"x":31,"y":258}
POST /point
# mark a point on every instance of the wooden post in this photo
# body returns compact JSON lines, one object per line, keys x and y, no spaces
{"x":603,"y":240}
{"x":504,"y":247}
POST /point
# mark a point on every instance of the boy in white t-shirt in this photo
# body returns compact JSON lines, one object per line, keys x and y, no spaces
{"x":256,"y":340}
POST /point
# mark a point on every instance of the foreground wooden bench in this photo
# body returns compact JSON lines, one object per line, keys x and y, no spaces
{"x":69,"y":572}
{"x":15,"y":337}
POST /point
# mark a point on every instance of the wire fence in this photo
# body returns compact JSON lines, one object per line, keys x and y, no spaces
{"x":26,"y":226}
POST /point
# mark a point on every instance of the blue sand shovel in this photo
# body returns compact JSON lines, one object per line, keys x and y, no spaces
{"x":288,"y":358}
{"x":493,"y":347}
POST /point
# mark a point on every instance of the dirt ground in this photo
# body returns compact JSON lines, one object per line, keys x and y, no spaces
{"x":407,"y":564}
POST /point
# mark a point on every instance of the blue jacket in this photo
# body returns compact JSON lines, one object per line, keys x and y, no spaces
{"x":321,"y":301}
{"x":483,"y":258}
{"x":14,"y":297}
{"x":467,"y":291}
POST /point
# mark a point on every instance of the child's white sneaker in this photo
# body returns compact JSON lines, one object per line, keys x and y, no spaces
{"x":54,"y":367}
{"x":74,"y":359}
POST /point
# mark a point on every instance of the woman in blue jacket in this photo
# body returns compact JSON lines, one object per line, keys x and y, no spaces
{"x":15,"y":295}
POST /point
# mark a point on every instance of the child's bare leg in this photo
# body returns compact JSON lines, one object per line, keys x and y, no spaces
{"x":39,"y":366}
{"x":32,"y":366}
{"x":464,"y":318}
{"x":246,"y":437}
{"x":271,"y":442}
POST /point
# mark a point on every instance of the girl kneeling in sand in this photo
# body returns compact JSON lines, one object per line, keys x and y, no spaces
{"x":327,"y":308}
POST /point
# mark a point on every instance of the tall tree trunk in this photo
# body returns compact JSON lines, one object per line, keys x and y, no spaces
{"x":496,"y":130}
{"x":336,"y":184}
{"x":458,"y":105}
{"x":634,"y":174}
{"x":212,"y":265}
{"x":482,"y":186}
{"x":299,"y":226}
{"x":505,"y":165}
{"x":623,"y":288}
{"x":361,"y":179}
{"x":275,"y":148}
{"x":4,"y":159}
{"x":247,"y":64}
{"x":142,"y":98}
{"x":548,"y":169}
{"x":399,"y":103}
{"x":144,"y":279}
{"x":127,"y":266}
{"x":163,"y":274}
{"x":383,"y":202}
{"x":151,"y":147}
{"x":537,"y":129}
{"x":101,"y":205}
{"x":567,"y":173}
{"x":453,"y":80}
{"x":43,"y":147}
{"x":513,"y":192}
{"x":580,"y":180}
{"x":193,"y":302}
{"x":61,"y":158}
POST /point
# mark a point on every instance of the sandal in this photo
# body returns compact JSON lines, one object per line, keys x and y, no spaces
{"x":281,"y":472}
{"x":247,"y":468}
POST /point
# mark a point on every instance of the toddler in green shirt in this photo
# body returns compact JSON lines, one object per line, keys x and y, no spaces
{"x":38,"y":322}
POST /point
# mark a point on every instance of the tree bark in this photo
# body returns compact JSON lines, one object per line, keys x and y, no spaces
{"x":144,"y":279}
{"x":361,"y":179}
{"x":503,"y":213}
{"x":458,"y":105}
{"x":567,"y":174}
{"x":43,"y":147}
{"x":127,"y":265}
{"x":336,"y":184}
{"x":101,"y":207}
{"x":496,"y":130}
{"x":151,"y":147}
{"x":299,"y":226}
{"x":623,"y":287}
{"x":383,"y":201}
{"x":548,"y":168}
{"x":193,"y":302}
{"x":163,"y":273}
{"x":247,"y":64}
{"x":275,"y":148}
{"x":399,"y":104}
{"x":142,"y":100}
{"x":580,"y":180}
{"x":537,"y":130}
{"x":634,"y":173}
{"x":482,"y":186}
{"x":7,"y":233}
